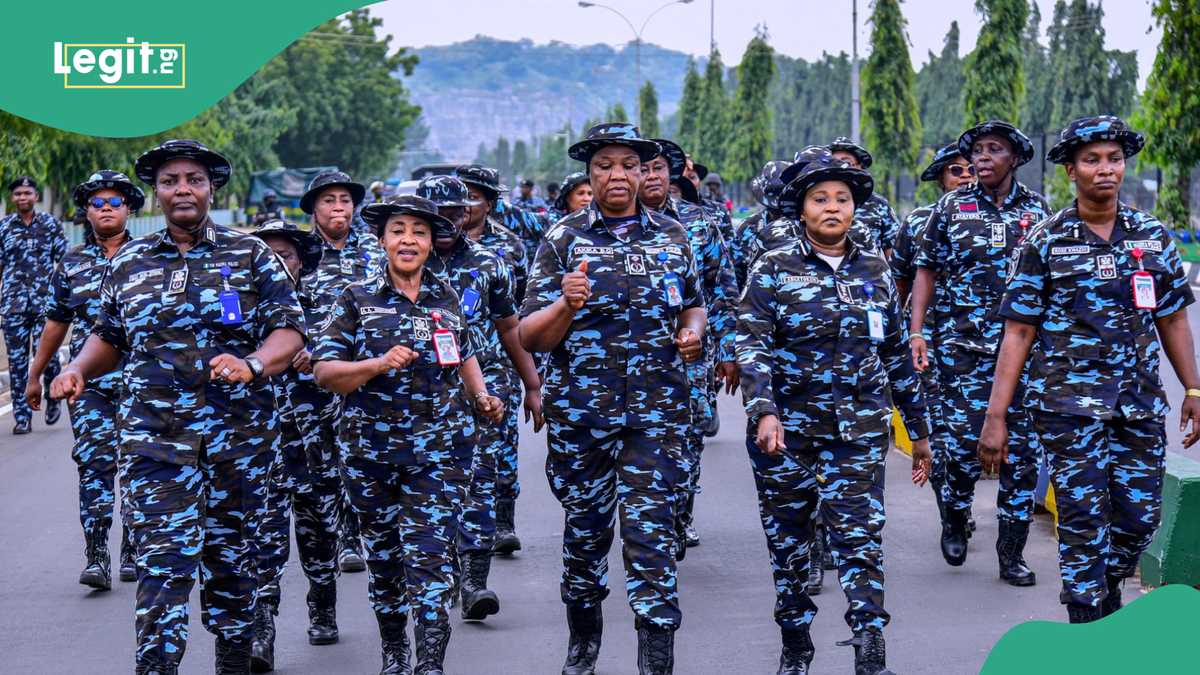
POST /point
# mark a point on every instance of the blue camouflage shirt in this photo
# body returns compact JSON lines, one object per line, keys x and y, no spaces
{"x":75,"y":298}
{"x":876,"y":222}
{"x":617,"y":365}
{"x":28,"y":255}
{"x":506,"y":244}
{"x":161,"y":308}
{"x":528,"y":227}
{"x":1095,"y":355}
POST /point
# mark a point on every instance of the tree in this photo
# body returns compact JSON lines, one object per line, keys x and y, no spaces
{"x":939,"y":92}
{"x":891,"y":124}
{"x":995,"y":82}
{"x":648,"y":111}
{"x":1170,"y":113}
{"x":712,"y":125}
{"x":689,"y":108}
{"x":503,"y":158}
{"x":1038,"y":103}
{"x":749,"y":147}
{"x":520,"y":158}
{"x":811,"y":102}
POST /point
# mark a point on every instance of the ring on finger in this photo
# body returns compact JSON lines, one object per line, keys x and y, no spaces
{"x":225,"y":372}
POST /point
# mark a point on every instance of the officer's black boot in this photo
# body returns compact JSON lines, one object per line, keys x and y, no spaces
{"x":53,"y":411}
{"x":1010,"y":544}
{"x":870,"y":656}
{"x":587,"y":628}
{"x":1112,"y":601}
{"x":797,"y":653}
{"x":233,"y":656}
{"x":155,"y":669}
{"x":350,"y":559}
{"x":1083,"y":613}
{"x":128,"y":570}
{"x":478,"y":602}
{"x":691,"y":537}
{"x":816,"y":569}
{"x":507,"y":541}
{"x":432,"y":639}
{"x":954,"y":537}
{"x":393,"y":636}
{"x":656,"y":649}
{"x":22,"y":428}
{"x":322,"y":614}
{"x":97,"y":573}
{"x":262,"y":648}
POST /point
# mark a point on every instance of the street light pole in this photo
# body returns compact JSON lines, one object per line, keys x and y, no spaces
{"x":854,"y":95}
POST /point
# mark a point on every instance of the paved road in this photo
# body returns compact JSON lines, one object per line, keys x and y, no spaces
{"x":50,"y":624}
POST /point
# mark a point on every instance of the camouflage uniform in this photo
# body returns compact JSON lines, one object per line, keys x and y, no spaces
{"x":406,"y":441}
{"x":616,"y":402}
{"x":806,"y":356}
{"x":717,"y":212}
{"x":485,"y":285}
{"x":876,"y":222}
{"x":28,"y":255}
{"x":1096,"y":399}
{"x":201,"y":449}
{"x":967,"y":242}
{"x":529,"y":227}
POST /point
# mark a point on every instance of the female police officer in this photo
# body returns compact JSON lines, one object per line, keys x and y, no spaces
{"x":615,"y":299}
{"x":109,"y":198}
{"x":965,"y":246}
{"x":203,"y":316}
{"x":823,"y":356}
{"x":1094,"y":290}
{"x":574,"y":193}
{"x":396,"y":347}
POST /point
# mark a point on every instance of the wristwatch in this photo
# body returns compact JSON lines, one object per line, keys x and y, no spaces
{"x":255,"y":366}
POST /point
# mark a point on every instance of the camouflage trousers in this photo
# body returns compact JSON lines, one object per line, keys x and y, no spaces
{"x":637,"y":475}
{"x":508,"y":487}
{"x":843,"y":484}
{"x":1108,"y":479}
{"x":344,"y":515}
{"x":966,"y":383}
{"x":939,"y":434}
{"x":309,"y":492}
{"x":408,"y":515}
{"x":22,"y":334}
{"x":187,"y":520}
{"x":93,"y":423}
{"x":477,"y":525}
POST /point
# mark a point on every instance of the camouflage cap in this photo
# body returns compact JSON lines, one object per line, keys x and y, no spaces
{"x":377,"y":215}
{"x":324,"y":181}
{"x":675,"y":156}
{"x":812,"y":169}
{"x":22,"y":181}
{"x":1092,"y":129}
{"x":147,"y":165}
{"x":614,"y":133}
{"x":483,"y":177}
{"x":1022,"y":146}
{"x":843,"y":144}
{"x":770,"y":183}
{"x":443,"y":191}
{"x":308,"y":244}
{"x":110,"y":180}
{"x":943,"y":157}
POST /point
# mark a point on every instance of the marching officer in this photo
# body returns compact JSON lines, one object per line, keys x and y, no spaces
{"x":31,"y":244}
{"x":293,"y":492}
{"x":109,"y":197}
{"x":396,"y":347}
{"x":614,"y":300}
{"x":528,"y":226}
{"x":823,"y":355}
{"x":1095,"y":292}
{"x":875,"y":220}
{"x":965,"y":246}
{"x":350,"y":254}
{"x":528,"y":201}
{"x":202,"y":315}
{"x":573,"y":194}
{"x":746,"y":245}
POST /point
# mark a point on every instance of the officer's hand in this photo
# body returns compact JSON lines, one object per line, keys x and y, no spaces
{"x":728,"y":372}
{"x":229,"y":368}
{"x":33,"y":393}
{"x":533,"y":409}
{"x":69,"y":385}
{"x":396,"y":358}
{"x":922,"y":462}
{"x":770,"y":435}
{"x":491,"y":407}
{"x":688,"y":344}
{"x":993,"y":443}
{"x":302,"y":361}
{"x":1189,"y":412}
{"x":576,"y":288}
{"x":920,"y":353}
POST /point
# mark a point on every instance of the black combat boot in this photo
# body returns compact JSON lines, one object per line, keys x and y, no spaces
{"x":870,"y":655}
{"x":816,"y":568}
{"x":691,"y":536}
{"x":432,"y":639}
{"x":322,"y":614}
{"x":656,"y":649}
{"x":587,"y":627}
{"x":350,"y":559}
{"x":233,"y":656}
{"x":797,"y":653}
{"x":155,"y":669}
{"x":393,"y":636}
{"x":954,"y":537}
{"x":478,"y":602}
{"x":1010,"y":544}
{"x":128,"y":569}
{"x":506,"y":542}
{"x":22,"y":428}
{"x":262,"y":647}
{"x":1112,"y":601}
{"x":97,"y":573}
{"x":53,"y":411}
{"x":1077,"y":613}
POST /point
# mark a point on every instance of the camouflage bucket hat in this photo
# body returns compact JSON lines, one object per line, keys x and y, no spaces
{"x":1086,"y":130}
{"x":107,"y":179}
{"x":376,"y":215}
{"x":770,"y":183}
{"x":568,"y":185}
{"x":675,"y":156}
{"x":307,"y":244}
{"x":614,"y":133}
{"x":219,"y":169}
{"x":483,"y":177}
{"x":943,"y":157}
{"x":843,"y":144}
{"x":443,"y":191}
{"x":816,"y":169}
{"x":1022,"y":146}
{"x":324,"y":181}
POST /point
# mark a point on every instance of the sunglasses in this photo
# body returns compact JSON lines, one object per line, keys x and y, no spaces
{"x":957,"y":170}
{"x":99,"y":202}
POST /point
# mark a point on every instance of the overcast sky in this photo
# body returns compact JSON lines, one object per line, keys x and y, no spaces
{"x":799,"y":28}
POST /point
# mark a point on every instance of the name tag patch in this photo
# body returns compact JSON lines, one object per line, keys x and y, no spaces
{"x":142,"y":276}
{"x":1145,"y":245}
{"x":800,"y":279}
{"x":593,"y":250}
{"x":673,"y":250}
{"x":371,"y":309}
{"x":1070,"y":250}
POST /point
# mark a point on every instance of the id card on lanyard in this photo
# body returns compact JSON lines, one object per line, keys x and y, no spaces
{"x":672,"y":284}
{"x":445,"y":347}
{"x":1144,"y":296}
{"x":231,"y":302}
{"x":874,"y":316}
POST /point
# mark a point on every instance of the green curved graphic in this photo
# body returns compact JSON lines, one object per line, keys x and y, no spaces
{"x":1155,"y":633}
{"x":195,"y":54}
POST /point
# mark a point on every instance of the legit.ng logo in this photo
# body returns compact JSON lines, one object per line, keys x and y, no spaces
{"x":121,"y":65}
